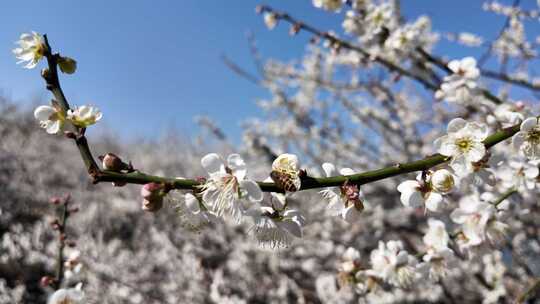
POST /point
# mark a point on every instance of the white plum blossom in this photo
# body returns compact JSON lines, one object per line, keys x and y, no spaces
{"x":527,"y":140}
{"x":285,"y":172}
{"x":51,"y":118}
{"x":330,"y":5}
{"x":350,"y":260}
{"x":463,"y":143}
{"x":275,"y":228}
{"x":420,"y":193}
{"x":227,"y":188}
{"x":393,"y":264}
{"x":478,"y":220}
{"x":436,"y":238}
{"x":443,"y":181}
{"x":519,"y":174}
{"x":347,"y":202}
{"x":509,"y":114}
{"x":465,"y":68}
{"x":270,"y":20}
{"x":461,"y":86}
{"x":31,"y":49}
{"x":84,"y":116}
{"x":67,"y":296}
{"x":192,"y":213}
{"x":72,"y":265}
{"x":469,"y":39}
{"x":438,"y":256}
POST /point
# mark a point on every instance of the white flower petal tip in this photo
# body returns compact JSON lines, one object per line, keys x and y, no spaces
{"x":31,"y":49}
{"x":84,"y":116}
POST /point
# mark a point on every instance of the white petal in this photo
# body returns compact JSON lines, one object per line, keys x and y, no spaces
{"x":350,"y":214}
{"x":459,"y":216}
{"x":433,"y":201}
{"x":412,"y":199}
{"x":456,"y":124}
{"x":192,"y":204}
{"x":237,"y":164}
{"x":279,"y":200}
{"x":329,"y":169}
{"x":468,"y":63}
{"x":292,"y":227}
{"x":408,"y":186}
{"x":346,"y":171}
{"x":253,"y":190}
{"x":477,"y":152}
{"x":518,"y":139}
{"x":212,"y":163}
{"x":54,"y":127}
{"x":43,"y":113}
{"x":528,"y":124}
{"x":454,"y":66}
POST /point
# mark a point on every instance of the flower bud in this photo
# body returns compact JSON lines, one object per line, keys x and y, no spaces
{"x":112,"y":162}
{"x":152,"y":194}
{"x":442,"y":181}
{"x":46,"y":281}
{"x":270,"y":19}
{"x":67,"y":65}
{"x":55,"y":200}
{"x":152,"y":206}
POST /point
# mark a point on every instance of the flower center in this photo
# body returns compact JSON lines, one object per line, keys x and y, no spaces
{"x":533,"y":136}
{"x":464,"y":144}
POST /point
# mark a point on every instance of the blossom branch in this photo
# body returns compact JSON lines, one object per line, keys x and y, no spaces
{"x":53,"y":84}
{"x":137,"y":177}
{"x":309,"y":182}
{"x":345,"y":44}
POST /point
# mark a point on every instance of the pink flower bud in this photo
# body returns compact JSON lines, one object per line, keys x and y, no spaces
{"x":46,"y":281}
{"x":152,"y":194}
{"x":55,"y":200}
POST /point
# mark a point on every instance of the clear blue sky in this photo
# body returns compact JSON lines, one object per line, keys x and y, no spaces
{"x":150,"y":65}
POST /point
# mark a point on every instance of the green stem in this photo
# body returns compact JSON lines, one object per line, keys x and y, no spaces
{"x":504,"y":196}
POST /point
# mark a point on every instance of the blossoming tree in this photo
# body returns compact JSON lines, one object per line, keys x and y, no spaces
{"x":374,"y":101}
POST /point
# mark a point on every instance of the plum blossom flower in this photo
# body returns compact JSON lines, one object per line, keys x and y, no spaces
{"x":520,"y":174}
{"x":276,"y":228}
{"x":478,"y":220}
{"x":442,"y":181}
{"x":420,"y":193}
{"x":438,"y":256}
{"x":393,"y":264}
{"x":436,"y":238}
{"x":193,"y":213}
{"x":348,"y":201}
{"x":31,"y":49}
{"x":67,"y":296}
{"x":460,"y":87}
{"x":465,"y":68}
{"x":509,"y":114}
{"x":285,"y":172}
{"x":351,"y":260}
{"x":51,"y":118}
{"x":464,"y":142}
{"x":329,"y":5}
{"x":72,"y":265}
{"x":84,"y":116}
{"x":527,"y":140}
{"x":227,"y":188}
